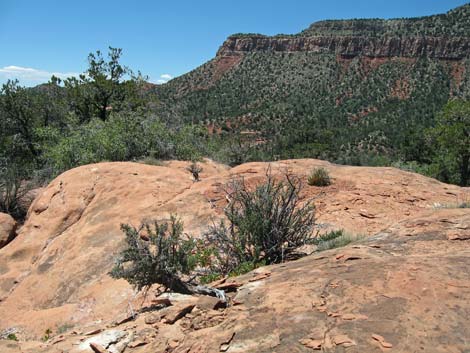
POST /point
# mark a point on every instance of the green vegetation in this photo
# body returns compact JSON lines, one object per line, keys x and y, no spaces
{"x":156,"y":253}
{"x":407,"y":112}
{"x":319,"y":177}
{"x":276,"y":105}
{"x":452,"y":136}
{"x":13,"y":190}
{"x":265,"y":226}
{"x":455,"y":23}
{"x":12,"y":337}
{"x":47,"y":335}
{"x":334,"y":239}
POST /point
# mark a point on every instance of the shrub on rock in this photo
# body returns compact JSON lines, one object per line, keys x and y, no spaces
{"x":265,"y":225}
{"x":319,"y":177}
{"x":161,"y":255}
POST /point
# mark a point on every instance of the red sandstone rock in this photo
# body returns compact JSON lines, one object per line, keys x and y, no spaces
{"x":7,"y":229}
{"x":55,"y":271}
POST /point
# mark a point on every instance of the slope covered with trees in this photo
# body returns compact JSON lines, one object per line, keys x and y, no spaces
{"x":361,"y":92}
{"x":353,"y":91}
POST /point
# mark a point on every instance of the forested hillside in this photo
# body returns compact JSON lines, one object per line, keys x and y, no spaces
{"x":353,"y":91}
{"x":361,"y":92}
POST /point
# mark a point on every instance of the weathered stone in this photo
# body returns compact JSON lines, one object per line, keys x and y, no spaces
{"x":177,"y":313}
{"x":209,"y":303}
{"x":310,"y":343}
{"x":7,"y":229}
{"x":104,"y":339}
{"x":382,"y":341}
{"x":98,"y":348}
{"x":350,"y":46}
{"x":62,"y":255}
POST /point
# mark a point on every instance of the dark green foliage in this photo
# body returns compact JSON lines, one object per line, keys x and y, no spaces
{"x":246,"y":267}
{"x":452,"y":135}
{"x":12,"y":337}
{"x":455,"y":23}
{"x":18,"y":123}
{"x":358,"y":110}
{"x":13,"y":190}
{"x":101,"y":89}
{"x":319,"y":177}
{"x":310,"y":105}
{"x":265,"y":225}
{"x":269,"y":105}
{"x":162,"y":258}
{"x":122,"y":137}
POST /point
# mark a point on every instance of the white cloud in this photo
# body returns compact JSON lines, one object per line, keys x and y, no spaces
{"x":164,"y":78}
{"x":28,"y":75}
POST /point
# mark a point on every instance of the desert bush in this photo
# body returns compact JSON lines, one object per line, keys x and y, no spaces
{"x":122,"y":137}
{"x":47,"y":335}
{"x":194,"y":169}
{"x":156,"y":254}
{"x":319,"y":177}
{"x":333,"y":239}
{"x":13,"y":189}
{"x":264,"y":225}
{"x":12,"y":337}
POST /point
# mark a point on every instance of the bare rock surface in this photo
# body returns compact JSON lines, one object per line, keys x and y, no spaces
{"x":7,"y":229}
{"x":405,"y":287}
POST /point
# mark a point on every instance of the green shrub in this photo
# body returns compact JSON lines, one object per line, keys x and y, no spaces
{"x":319,"y":177}
{"x":334,"y":239}
{"x":12,"y":337}
{"x":210,"y":277}
{"x":156,"y":254}
{"x":245,"y":267}
{"x":122,"y":137}
{"x":264,"y":225}
{"x":13,"y":190}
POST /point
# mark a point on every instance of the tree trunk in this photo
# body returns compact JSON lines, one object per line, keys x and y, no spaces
{"x":178,"y":286}
{"x":103,"y":112}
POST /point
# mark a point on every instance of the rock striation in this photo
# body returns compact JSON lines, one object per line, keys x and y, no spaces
{"x":443,"y":48}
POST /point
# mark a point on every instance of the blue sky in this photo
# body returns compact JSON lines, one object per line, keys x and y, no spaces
{"x":162,"y":39}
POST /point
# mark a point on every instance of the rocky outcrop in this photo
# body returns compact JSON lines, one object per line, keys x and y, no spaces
{"x":7,"y":229}
{"x":444,"y":48}
{"x":394,"y":291}
{"x":54,"y":274}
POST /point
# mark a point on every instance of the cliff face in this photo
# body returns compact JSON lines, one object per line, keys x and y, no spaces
{"x":370,"y":83}
{"x":445,"y":36}
{"x":445,"y":48}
